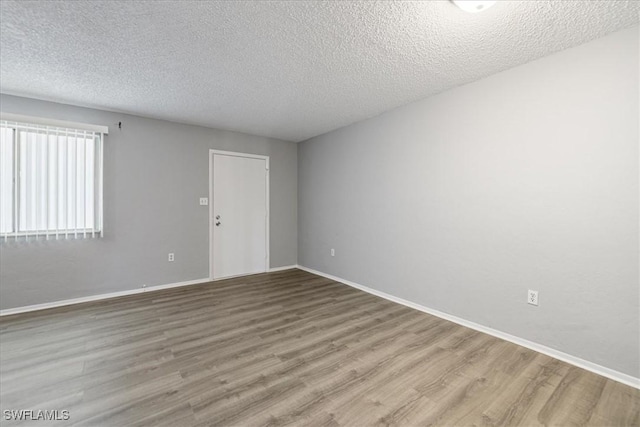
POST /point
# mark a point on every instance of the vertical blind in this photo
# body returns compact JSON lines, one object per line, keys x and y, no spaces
{"x":50,"y":181}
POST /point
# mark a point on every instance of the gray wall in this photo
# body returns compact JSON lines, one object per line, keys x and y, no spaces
{"x":463,"y":201}
{"x":155,"y":172}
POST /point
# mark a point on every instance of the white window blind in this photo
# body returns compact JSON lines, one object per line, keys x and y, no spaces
{"x":50,"y":181}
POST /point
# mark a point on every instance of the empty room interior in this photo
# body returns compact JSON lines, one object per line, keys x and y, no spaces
{"x":320,"y":213}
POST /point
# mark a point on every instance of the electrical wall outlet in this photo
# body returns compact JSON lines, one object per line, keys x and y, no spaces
{"x":144,"y":287}
{"x":171,"y":257}
{"x":532,"y":297}
{"x":333,"y":252}
{"x":204,"y":201}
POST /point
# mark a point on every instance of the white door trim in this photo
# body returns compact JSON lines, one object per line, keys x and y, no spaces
{"x":213,"y":152}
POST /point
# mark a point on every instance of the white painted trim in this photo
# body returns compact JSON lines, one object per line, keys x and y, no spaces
{"x":21,"y":118}
{"x":573,"y":360}
{"x":238,"y":154}
{"x":73,"y":301}
{"x":210,"y":217}
{"x":286,"y":267}
{"x":212,"y":152}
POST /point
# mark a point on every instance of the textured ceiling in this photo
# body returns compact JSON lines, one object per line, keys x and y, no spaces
{"x":285,"y":69}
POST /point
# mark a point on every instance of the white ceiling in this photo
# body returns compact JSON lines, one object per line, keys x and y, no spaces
{"x":284,"y":69}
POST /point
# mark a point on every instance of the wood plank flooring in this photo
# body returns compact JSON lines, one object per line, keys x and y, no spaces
{"x":286,"y":348}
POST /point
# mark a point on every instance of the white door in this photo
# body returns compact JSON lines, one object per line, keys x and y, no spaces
{"x":239,"y":215}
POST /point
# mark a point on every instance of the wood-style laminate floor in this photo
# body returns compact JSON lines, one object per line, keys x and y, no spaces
{"x":287,"y":348}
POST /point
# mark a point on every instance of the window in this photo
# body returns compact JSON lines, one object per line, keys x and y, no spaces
{"x":50,"y":181}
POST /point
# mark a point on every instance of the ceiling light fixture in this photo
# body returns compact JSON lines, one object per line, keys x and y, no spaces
{"x":473,"y":6}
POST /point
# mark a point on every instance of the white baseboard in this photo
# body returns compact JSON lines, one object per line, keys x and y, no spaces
{"x":286,"y":267}
{"x":573,"y":360}
{"x":44,"y":306}
{"x":72,"y":301}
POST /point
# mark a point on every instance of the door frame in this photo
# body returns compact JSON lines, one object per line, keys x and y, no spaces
{"x":212,"y":153}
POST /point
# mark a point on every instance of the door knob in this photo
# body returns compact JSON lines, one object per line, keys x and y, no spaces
{"x":217,"y":216}
{"x":218,"y":224}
